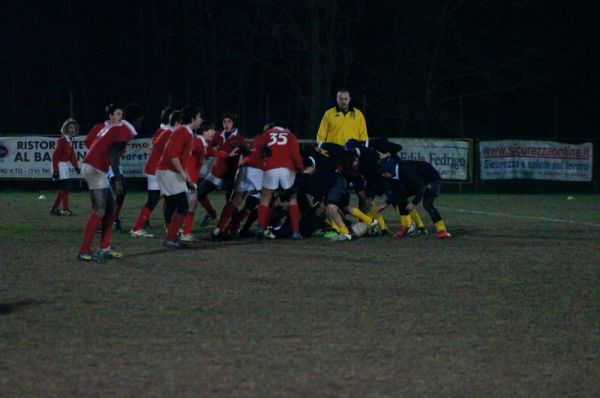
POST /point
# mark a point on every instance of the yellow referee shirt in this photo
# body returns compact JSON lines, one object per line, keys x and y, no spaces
{"x":337,"y":127}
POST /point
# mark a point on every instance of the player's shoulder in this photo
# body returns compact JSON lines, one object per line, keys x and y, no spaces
{"x":357,"y":111}
{"x":331,"y":111}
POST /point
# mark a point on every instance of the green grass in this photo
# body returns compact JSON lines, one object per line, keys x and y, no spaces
{"x":509,"y":307}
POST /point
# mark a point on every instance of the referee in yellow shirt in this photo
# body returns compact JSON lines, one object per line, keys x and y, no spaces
{"x":342,"y":122}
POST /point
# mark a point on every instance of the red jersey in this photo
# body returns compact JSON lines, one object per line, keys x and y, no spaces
{"x":159,"y":141}
{"x":63,"y":152}
{"x":91,"y":135}
{"x":196,"y":160}
{"x":254,"y":159}
{"x":178,"y":146}
{"x":285,"y":149}
{"x":225,"y":167}
{"x":99,"y":153}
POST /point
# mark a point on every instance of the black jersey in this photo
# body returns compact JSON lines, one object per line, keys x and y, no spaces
{"x":410,"y":177}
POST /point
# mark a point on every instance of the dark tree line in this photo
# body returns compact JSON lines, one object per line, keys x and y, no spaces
{"x":485,"y":68}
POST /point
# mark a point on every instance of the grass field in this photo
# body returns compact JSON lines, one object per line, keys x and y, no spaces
{"x":508,"y":308}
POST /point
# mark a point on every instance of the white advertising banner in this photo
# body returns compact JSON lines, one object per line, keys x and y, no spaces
{"x":536,"y":160}
{"x":449,"y":157}
{"x":31,"y":156}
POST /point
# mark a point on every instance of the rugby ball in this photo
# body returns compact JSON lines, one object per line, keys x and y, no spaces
{"x":359,"y":229}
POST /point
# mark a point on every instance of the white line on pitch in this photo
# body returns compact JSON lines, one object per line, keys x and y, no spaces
{"x":548,"y":219}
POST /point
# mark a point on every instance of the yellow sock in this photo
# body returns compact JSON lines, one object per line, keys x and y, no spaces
{"x":405,"y":221}
{"x":360,"y":215}
{"x":380,"y":221}
{"x":417,"y":219}
{"x":343,"y":229}
{"x":440,"y":226}
{"x":332,"y":224}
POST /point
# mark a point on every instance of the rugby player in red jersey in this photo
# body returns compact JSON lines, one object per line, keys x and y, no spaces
{"x":106,"y":149}
{"x":248,"y":184}
{"x":223,"y":170}
{"x":200,"y":150}
{"x":172,"y":177}
{"x":114,"y":114}
{"x":61,"y":157}
{"x":281,"y":161}
{"x":159,"y":140}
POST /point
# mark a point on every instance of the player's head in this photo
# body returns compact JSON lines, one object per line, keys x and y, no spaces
{"x":352,"y":144}
{"x":279,"y":123}
{"x":343,"y":99}
{"x":176,"y":119}
{"x":229,"y":120}
{"x":350,"y":161}
{"x":165,"y":114}
{"x":114,"y":113}
{"x":191,"y":116}
{"x":70,"y":127}
{"x":207,"y":129}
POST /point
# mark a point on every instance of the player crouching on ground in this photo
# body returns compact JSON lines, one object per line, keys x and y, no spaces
{"x":172,"y":177}
{"x":418,"y":179}
{"x":61,"y":157}
{"x":106,"y":150}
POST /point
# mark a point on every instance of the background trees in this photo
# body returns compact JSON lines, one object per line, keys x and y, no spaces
{"x":485,"y":68}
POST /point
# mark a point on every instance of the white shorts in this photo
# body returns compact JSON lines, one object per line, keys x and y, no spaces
{"x":248,"y":179}
{"x":152,"y":183}
{"x":279,"y":177}
{"x":215,"y":180}
{"x":170,"y":182}
{"x":95,"y":179}
{"x":63,"y":171}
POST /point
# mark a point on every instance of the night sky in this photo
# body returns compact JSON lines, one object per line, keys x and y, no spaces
{"x":488,"y":69}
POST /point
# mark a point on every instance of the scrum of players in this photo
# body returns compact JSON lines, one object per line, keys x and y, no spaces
{"x":274,"y":187}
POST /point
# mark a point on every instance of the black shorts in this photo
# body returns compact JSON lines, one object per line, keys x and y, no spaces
{"x":337,"y":194}
{"x":434,"y":188}
{"x":375,"y":187}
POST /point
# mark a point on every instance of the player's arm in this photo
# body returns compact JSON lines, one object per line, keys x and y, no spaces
{"x":176,"y":162}
{"x":115,"y":162}
{"x":323,"y":129}
{"x":73,"y":158}
{"x":56,"y":155}
{"x":362,"y":129}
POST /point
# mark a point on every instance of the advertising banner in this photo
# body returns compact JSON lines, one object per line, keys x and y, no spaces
{"x":536,"y":160}
{"x":31,"y":156}
{"x":450,"y":157}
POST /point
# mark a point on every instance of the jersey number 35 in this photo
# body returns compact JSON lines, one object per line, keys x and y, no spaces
{"x":278,"y":139}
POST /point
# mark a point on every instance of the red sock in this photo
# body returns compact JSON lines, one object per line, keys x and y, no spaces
{"x":228,"y":211}
{"x":57,"y":200}
{"x":263,"y":216}
{"x":205,"y":202}
{"x":65,"y":198}
{"x":188,"y":222}
{"x":117,"y":211}
{"x":91,"y":226}
{"x":107,"y":224}
{"x":294,"y":212}
{"x":142,"y":218}
{"x":174,"y":226}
